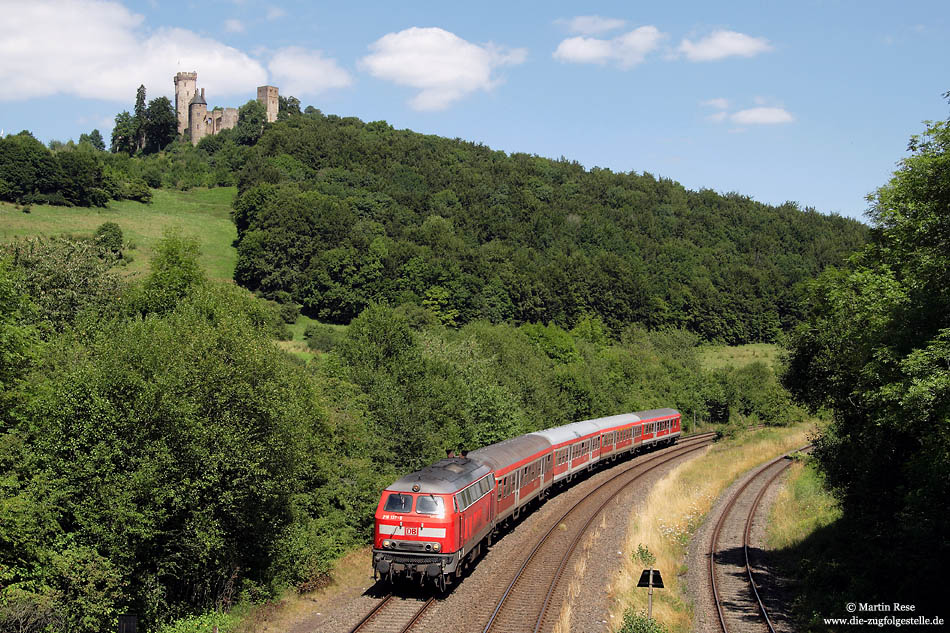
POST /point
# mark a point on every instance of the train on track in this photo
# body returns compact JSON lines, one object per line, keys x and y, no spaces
{"x":431,"y":523}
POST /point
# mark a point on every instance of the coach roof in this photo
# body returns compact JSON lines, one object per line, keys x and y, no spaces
{"x":504,"y":454}
{"x":652,"y":414}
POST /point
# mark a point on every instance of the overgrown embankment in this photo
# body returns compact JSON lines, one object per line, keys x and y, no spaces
{"x":675,"y":509}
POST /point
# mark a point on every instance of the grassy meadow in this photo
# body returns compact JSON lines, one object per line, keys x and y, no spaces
{"x":297,"y":345}
{"x":737,"y":356}
{"x":675,"y":509}
{"x":201,"y":213}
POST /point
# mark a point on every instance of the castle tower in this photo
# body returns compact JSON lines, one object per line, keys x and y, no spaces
{"x":197,"y":113}
{"x":185,"y":90}
{"x":268,"y":96}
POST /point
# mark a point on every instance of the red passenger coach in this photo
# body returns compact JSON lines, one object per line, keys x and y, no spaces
{"x":433,"y":522}
{"x":523,"y":472}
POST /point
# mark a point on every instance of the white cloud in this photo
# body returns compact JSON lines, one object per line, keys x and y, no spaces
{"x":720,"y":104}
{"x":297,"y":71}
{"x":592,"y":24}
{"x":722,"y":44}
{"x":443,"y":66}
{"x":233,"y":26}
{"x":98,"y":49}
{"x":626,"y":50}
{"x":762,"y":116}
{"x":275,"y":12}
{"x":718,"y":117}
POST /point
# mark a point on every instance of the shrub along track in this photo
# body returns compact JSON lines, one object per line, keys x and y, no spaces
{"x":735,"y":591}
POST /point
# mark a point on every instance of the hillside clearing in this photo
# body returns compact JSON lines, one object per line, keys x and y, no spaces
{"x":202,"y":213}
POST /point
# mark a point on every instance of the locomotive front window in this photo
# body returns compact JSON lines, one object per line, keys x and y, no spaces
{"x":399,"y":503}
{"x":428,"y":504}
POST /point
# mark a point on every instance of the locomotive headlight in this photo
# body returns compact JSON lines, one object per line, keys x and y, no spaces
{"x":387,"y":544}
{"x":436,"y":547}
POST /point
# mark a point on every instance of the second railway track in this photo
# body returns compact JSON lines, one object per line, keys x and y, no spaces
{"x":735,"y":591}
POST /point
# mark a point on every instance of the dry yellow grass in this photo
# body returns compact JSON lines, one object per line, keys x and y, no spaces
{"x":674,"y":509}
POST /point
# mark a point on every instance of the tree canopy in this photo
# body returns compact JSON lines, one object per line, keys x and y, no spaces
{"x":875,"y":348}
{"x":338,"y":214}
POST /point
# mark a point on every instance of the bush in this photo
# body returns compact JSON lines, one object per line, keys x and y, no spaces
{"x":320,"y":336}
{"x":205,"y":623}
{"x":109,"y":237}
{"x":138,"y":189}
{"x":640,"y":623}
{"x":289,"y":312}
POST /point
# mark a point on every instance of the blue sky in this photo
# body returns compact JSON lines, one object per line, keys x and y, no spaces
{"x":811,"y":101}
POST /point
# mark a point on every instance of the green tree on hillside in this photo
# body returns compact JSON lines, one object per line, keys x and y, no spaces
{"x":140,"y":118}
{"x":470,"y":233}
{"x":161,"y":125}
{"x":124,"y":134}
{"x":252,"y":116}
{"x":875,"y":348}
{"x":287,"y":107}
{"x":94,"y":139}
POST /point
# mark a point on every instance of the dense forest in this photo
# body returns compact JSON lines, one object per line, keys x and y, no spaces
{"x":336,"y":214}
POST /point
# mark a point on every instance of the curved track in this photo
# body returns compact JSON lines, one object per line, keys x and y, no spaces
{"x":536,"y":588}
{"x":736,"y":596}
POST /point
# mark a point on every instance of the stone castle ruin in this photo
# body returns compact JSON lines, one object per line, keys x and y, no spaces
{"x":192,"y":109}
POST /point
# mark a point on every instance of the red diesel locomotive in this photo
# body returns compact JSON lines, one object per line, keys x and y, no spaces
{"x":431,"y":523}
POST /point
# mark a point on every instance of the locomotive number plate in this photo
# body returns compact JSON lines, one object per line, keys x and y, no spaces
{"x":412,"y":531}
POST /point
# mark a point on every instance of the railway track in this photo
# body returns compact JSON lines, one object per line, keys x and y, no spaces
{"x":534,"y":594}
{"x":394,"y":614}
{"x":736,"y":594}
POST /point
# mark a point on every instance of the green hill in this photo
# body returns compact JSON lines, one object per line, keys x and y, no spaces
{"x":335,"y":214}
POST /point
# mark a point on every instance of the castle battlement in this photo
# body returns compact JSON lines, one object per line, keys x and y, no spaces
{"x":195,"y":117}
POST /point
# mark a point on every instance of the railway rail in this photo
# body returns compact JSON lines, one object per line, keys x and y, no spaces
{"x":735,"y":590}
{"x":531,"y":596}
{"x":394,"y":614}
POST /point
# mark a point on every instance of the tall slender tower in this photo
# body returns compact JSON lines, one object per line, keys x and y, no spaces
{"x":197,"y":114}
{"x":185,"y":90}
{"x":268,"y":96}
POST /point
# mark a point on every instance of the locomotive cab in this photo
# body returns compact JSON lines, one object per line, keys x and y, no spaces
{"x":423,"y":521}
{"x":412,"y":522}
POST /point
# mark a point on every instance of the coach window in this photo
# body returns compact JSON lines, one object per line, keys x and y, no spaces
{"x":429,"y":504}
{"x":398,"y":503}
